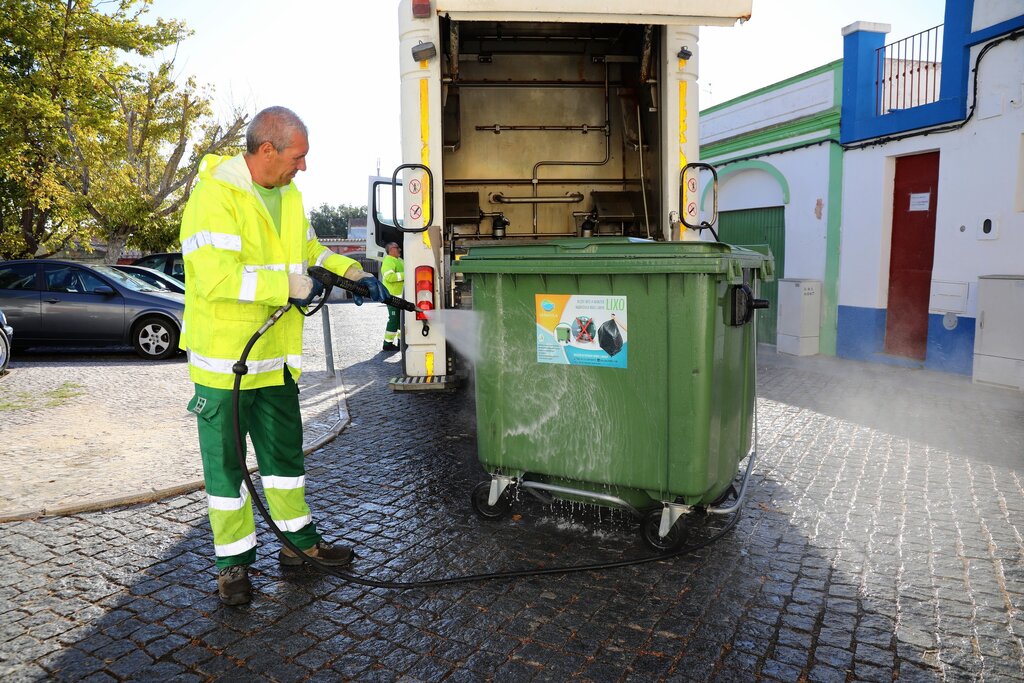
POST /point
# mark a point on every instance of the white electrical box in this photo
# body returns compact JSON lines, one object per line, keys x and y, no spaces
{"x":799,"y":317}
{"x":999,"y":331}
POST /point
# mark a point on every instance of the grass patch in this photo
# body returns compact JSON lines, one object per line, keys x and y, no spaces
{"x":61,"y":394}
{"x":27,"y":400}
{"x":20,"y":399}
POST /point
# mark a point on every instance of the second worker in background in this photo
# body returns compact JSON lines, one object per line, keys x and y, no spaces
{"x":392,"y":273}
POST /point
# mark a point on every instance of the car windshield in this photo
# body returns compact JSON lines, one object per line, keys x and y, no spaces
{"x":124,"y":279}
{"x":152,"y":280}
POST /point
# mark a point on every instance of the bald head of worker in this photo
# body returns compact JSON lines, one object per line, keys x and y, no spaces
{"x":392,"y":249}
{"x":276,"y":144}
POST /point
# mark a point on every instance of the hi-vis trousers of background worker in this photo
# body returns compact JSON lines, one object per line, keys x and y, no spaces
{"x":270,"y":415}
{"x":392,"y":274}
{"x":392,"y":333}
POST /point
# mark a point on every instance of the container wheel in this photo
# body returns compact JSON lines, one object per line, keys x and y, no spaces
{"x":481,"y":492}
{"x":649,"y":526}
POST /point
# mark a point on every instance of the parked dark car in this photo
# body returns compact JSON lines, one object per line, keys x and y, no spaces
{"x":157,"y":279}
{"x":6,"y":334}
{"x":171,"y":263}
{"x":72,"y":304}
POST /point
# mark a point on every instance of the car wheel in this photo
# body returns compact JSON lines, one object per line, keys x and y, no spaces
{"x":5,"y":352}
{"x":155,"y":338}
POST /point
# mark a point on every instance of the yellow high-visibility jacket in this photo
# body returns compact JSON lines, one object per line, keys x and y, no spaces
{"x":392,"y":274}
{"x":236,"y":274}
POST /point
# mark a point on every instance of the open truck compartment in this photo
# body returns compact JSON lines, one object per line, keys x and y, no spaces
{"x":540,"y":118}
{"x":551,"y":130}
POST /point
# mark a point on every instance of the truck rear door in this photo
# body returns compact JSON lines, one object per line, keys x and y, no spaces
{"x":380,"y":216}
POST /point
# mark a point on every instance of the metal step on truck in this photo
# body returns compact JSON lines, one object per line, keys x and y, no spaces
{"x":529,"y":121}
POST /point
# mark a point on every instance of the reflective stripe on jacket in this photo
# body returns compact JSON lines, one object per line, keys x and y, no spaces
{"x":392,"y":274}
{"x":236,"y":270}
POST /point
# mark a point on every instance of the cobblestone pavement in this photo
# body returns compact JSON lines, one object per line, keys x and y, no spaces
{"x":881,"y":541}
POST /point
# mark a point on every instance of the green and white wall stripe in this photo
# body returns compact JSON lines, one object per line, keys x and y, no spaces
{"x":775,"y":147}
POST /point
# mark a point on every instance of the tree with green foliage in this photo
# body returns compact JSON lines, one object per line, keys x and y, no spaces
{"x":90,"y":145}
{"x":333,"y":221}
{"x":140,"y":199}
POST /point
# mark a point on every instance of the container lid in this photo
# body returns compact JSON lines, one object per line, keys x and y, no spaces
{"x":606,"y":255}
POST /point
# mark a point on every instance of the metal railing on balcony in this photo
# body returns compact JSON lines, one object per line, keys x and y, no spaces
{"x":908,"y":71}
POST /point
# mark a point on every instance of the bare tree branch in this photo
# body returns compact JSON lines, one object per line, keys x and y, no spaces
{"x":219,"y":142}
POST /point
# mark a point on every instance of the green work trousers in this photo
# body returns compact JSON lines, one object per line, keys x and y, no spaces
{"x":391,"y":332}
{"x":270,"y":416}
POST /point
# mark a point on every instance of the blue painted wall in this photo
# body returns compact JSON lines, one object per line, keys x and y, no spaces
{"x":860,"y":121}
{"x":950,"y":350}
{"x":861,"y":336}
{"x":860,"y":332}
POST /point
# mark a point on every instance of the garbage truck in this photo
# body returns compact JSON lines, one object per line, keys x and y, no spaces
{"x":528,"y":121}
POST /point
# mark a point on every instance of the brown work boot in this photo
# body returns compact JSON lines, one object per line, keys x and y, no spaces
{"x":233,"y":585}
{"x":324,"y":552}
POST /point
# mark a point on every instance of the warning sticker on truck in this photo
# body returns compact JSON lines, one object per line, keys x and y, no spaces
{"x":581,"y":329}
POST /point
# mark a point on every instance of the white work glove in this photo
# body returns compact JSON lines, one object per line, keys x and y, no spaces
{"x":355,"y":273}
{"x":302,"y":289}
{"x":299,"y":286}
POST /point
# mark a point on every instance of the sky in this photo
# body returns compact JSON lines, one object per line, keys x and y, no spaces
{"x":336,"y":65}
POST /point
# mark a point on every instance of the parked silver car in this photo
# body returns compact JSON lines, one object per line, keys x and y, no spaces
{"x":161,"y":281}
{"x":72,"y":304}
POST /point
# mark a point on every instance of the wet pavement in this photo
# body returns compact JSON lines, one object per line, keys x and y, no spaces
{"x":881,"y":540}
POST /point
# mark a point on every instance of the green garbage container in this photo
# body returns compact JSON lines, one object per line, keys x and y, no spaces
{"x":615,"y":371}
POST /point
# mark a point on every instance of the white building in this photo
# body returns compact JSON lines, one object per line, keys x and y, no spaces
{"x":896,"y":182}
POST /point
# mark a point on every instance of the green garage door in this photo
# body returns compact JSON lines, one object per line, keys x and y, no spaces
{"x":760,"y":226}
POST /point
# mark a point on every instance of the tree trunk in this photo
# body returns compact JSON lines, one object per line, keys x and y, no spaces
{"x":115,"y":247}
{"x":28,"y":232}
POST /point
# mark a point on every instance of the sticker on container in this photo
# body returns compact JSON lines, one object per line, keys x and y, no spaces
{"x":581,"y":329}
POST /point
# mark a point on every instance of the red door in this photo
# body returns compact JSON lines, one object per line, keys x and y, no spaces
{"x":915,"y":195}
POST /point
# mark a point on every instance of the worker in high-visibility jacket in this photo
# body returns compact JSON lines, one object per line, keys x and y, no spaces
{"x":392,"y":272}
{"x":247,"y":245}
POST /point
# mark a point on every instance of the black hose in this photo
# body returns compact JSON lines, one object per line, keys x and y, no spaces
{"x":240,"y":368}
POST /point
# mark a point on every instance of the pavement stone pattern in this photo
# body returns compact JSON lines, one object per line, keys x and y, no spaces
{"x":81,"y":428}
{"x":880,"y":541}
